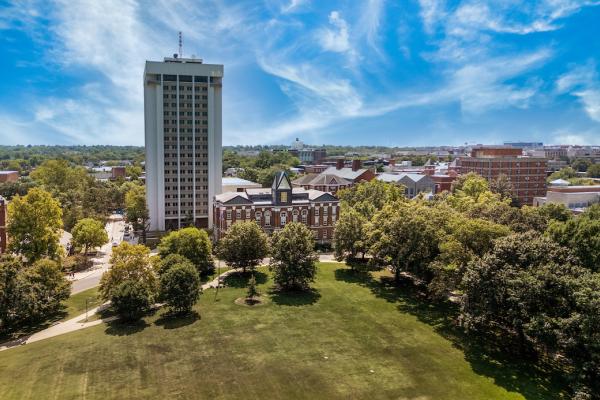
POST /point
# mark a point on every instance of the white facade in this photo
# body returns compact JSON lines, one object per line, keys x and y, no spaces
{"x":183,"y":134}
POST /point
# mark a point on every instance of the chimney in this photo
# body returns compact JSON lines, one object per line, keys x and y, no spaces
{"x":392,"y":162}
{"x":339,"y":163}
{"x":356,"y":165}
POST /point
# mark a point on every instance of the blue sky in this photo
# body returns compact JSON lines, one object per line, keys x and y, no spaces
{"x":398,"y":73}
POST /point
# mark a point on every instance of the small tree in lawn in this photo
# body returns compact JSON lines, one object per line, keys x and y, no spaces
{"x":293,"y":257}
{"x":244,"y":246}
{"x":252,"y":289}
{"x":180,"y":287}
{"x":350,"y":235}
{"x":89,"y":233}
{"x":131,"y":299}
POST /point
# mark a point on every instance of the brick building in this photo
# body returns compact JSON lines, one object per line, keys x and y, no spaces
{"x":309,"y":156}
{"x":274,"y":207}
{"x":527,"y":174}
{"x":3,"y":221}
{"x":9,"y":176}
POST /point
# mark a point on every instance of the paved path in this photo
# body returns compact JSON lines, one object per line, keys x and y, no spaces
{"x":90,"y":278}
{"x":71,"y":325}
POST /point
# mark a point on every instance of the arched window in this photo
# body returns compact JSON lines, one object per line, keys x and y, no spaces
{"x":304,"y":216}
{"x":267,"y":218}
{"x":283,"y":218}
{"x":258,"y":216}
{"x":295,"y":215}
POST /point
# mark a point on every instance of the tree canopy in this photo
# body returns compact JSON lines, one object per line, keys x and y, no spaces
{"x":192,"y":243}
{"x":244,"y":246}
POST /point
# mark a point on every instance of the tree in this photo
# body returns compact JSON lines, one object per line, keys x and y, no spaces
{"x":406,"y":239}
{"x":169,"y":261}
{"x":244,"y":246}
{"x":293,"y":257}
{"x":502,"y":186}
{"x":580,"y":165}
{"x":593,"y":171}
{"x":89,"y":233}
{"x":471,"y":185}
{"x":129,"y":263}
{"x":252,"y":290}
{"x":137,"y":210}
{"x":47,"y":287}
{"x":131,"y":299}
{"x":582,"y":235}
{"x":180,"y":287}
{"x":34,"y":223}
{"x":350,"y":236}
{"x":10,"y":291}
{"x":565,"y":173}
{"x":368,"y":197}
{"x":557,"y":212}
{"x":192,"y":243}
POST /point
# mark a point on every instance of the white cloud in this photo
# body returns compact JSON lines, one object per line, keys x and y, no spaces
{"x":432,"y":12}
{"x":335,"y":39}
{"x":293,"y":6}
{"x":583,"y":82}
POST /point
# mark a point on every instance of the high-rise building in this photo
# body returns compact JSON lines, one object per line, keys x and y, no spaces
{"x":527,"y":175}
{"x":3,"y":223}
{"x":182,"y":110}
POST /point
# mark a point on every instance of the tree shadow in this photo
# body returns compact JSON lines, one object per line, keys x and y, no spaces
{"x":295,"y":298}
{"x":486,"y":355}
{"x":119,"y":327}
{"x":171,"y":320}
{"x":240,"y":279}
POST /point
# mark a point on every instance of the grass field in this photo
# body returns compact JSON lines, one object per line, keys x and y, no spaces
{"x":354,"y":336}
{"x":75,"y":305}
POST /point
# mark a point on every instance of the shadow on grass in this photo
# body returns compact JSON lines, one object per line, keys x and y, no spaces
{"x":170,"y":320}
{"x":487,"y":358}
{"x":125,"y":328}
{"x":295,"y":297}
{"x":26,"y":329}
{"x":240,"y":279}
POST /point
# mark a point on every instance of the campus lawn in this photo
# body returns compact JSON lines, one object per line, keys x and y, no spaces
{"x":75,"y":305}
{"x":354,"y":336}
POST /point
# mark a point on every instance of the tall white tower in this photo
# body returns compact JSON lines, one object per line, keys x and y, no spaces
{"x":183,"y":124}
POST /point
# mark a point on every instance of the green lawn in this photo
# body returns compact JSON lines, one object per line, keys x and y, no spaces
{"x":75,"y":305}
{"x":353,"y":337}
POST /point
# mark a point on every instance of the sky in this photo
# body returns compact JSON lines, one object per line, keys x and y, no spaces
{"x":349,"y":72}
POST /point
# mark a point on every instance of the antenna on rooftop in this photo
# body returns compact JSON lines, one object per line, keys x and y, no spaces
{"x":180,"y":45}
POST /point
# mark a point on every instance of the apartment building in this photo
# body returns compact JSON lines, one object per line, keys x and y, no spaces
{"x":183,"y":128}
{"x":272,"y":208}
{"x":527,"y":174}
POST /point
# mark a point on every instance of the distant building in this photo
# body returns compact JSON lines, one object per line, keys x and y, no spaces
{"x":183,"y":131}
{"x":525,"y":145}
{"x":576,"y":198}
{"x":323,"y":182}
{"x":3,"y":223}
{"x":527,"y":174}
{"x":355,"y":174}
{"x":9,"y":176}
{"x":443,"y":182}
{"x":309,"y":156}
{"x":413,"y":183}
{"x":118,"y":172}
{"x":273,"y":208}
{"x":232,"y":184}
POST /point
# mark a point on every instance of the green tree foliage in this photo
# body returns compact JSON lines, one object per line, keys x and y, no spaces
{"x":582,"y":235}
{"x":89,"y":233}
{"x":368,"y":197}
{"x":351,"y":235}
{"x":34,"y":223}
{"x":129,"y":263}
{"x":252,"y":292}
{"x":191,"y":243}
{"x":593,"y":171}
{"x":29,"y":293}
{"x":137,"y":210}
{"x":244,"y":246}
{"x":555,"y":212}
{"x":580,"y":165}
{"x":472,"y":186}
{"x":131,"y":299}
{"x":10,"y":189}
{"x":180,"y":287}
{"x":502,"y":187}
{"x":406,"y":239}
{"x":565,"y":173}
{"x":169,"y":261}
{"x":293,"y":258}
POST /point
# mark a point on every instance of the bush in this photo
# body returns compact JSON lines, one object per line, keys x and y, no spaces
{"x":131,"y":299}
{"x":180,"y":287}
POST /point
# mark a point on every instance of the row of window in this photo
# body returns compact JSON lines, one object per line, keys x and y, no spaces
{"x":283,"y":216}
{"x":203,"y":88}
{"x":186,"y":121}
{"x":198,"y":188}
{"x":185,"y":113}
{"x":185,"y":97}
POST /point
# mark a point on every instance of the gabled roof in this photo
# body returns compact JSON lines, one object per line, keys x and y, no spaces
{"x":281,"y":181}
{"x":346,"y":173}
{"x":233,"y":198}
{"x":398,"y":177}
{"x":322,"y":179}
{"x":235,"y":181}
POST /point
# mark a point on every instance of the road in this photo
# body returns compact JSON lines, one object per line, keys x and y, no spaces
{"x":90,"y":278}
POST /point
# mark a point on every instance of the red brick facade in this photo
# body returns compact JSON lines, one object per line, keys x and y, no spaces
{"x":527,"y":175}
